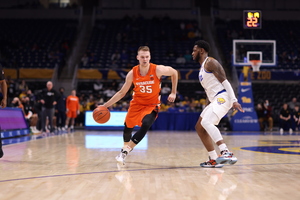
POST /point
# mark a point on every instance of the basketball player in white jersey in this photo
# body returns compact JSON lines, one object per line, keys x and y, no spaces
{"x":221,"y":99}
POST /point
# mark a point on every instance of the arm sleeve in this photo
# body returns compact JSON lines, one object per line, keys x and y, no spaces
{"x":229,"y":90}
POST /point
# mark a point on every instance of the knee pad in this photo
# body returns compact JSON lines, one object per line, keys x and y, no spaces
{"x":211,"y":129}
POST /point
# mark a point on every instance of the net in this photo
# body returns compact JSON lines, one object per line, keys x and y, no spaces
{"x":255,"y":65}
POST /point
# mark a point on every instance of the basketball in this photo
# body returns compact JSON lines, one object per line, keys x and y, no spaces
{"x":101,"y":114}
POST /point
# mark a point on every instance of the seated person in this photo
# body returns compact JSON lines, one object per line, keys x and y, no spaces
{"x":296,"y":118}
{"x":264,"y":112}
{"x":285,"y":119}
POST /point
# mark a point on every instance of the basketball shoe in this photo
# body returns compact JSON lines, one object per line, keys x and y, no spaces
{"x":211,"y":164}
{"x":226,"y":157}
{"x":121,"y":157}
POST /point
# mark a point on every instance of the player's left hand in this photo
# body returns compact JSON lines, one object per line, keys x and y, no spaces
{"x":237,"y":106}
{"x":172,"y":97}
{"x":3,"y":103}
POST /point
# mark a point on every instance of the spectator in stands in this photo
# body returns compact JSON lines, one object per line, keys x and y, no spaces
{"x":92,"y":58}
{"x":109,"y":92}
{"x":83,"y":108}
{"x":98,"y":86}
{"x":293,"y":103}
{"x":72,"y":109}
{"x":296,"y":117}
{"x":31,"y":97}
{"x":23,"y":94}
{"x":16,"y":103}
{"x":48,"y":98}
{"x":165,"y":91}
{"x":265,"y":115}
{"x":191,"y":34}
{"x":188,"y":56}
{"x":11,"y":88}
{"x":285,"y":119}
{"x":60,"y":110}
{"x":179,"y":97}
{"x":124,"y":56}
{"x":116,"y":56}
{"x":30,"y":116}
{"x":180,"y":60}
{"x":22,"y":86}
{"x":292,"y":57}
{"x":172,"y":108}
{"x":85,"y":60}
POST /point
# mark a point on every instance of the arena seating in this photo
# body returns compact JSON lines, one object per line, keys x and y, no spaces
{"x":162,"y":36}
{"x":35,"y":43}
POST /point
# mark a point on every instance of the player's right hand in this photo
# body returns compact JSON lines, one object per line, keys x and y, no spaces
{"x":237,"y":106}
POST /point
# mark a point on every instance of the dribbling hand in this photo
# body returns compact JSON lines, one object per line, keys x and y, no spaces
{"x":237,"y":106}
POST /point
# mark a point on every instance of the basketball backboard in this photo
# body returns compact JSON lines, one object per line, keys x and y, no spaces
{"x":246,"y":50}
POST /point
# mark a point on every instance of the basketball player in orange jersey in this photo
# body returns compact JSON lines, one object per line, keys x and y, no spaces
{"x":72,"y":109}
{"x":145,"y":101}
{"x":3,"y":101}
{"x":221,"y":97}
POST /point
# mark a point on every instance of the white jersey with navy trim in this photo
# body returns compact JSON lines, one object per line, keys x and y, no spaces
{"x":209,"y":82}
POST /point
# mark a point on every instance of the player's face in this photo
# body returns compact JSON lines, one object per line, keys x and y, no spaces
{"x":196,"y":53}
{"x":143,"y":57}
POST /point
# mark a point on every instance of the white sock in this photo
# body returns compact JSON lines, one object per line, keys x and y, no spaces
{"x":127,"y":148}
{"x":223,"y":147}
{"x":213,"y":155}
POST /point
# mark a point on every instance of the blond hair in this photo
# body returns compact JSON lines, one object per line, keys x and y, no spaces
{"x":143,"y":48}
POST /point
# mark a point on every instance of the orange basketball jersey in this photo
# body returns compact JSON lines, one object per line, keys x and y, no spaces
{"x":72,"y":103}
{"x":146,"y":89}
{"x":145,"y":98}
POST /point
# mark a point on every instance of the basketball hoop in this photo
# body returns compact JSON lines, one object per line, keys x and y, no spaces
{"x":255,"y":65}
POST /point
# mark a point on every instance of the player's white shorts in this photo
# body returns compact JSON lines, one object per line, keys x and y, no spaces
{"x":220,"y":106}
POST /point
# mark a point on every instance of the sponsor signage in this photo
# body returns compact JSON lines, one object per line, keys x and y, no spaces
{"x":246,"y":121}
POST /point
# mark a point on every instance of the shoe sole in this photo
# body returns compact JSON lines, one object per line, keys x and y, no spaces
{"x":226,"y":161}
{"x":213,"y":166}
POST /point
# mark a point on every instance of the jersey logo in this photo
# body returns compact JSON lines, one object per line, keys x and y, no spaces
{"x":200,"y":78}
{"x":220,"y":101}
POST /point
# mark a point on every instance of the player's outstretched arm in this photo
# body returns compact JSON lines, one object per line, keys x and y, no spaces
{"x":122,"y":92}
{"x":162,"y":70}
{"x":216,"y":68}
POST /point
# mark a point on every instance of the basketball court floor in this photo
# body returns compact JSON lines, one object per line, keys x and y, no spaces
{"x":164,"y":166}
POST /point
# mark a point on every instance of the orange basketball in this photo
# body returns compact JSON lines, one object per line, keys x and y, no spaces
{"x":101,"y":114}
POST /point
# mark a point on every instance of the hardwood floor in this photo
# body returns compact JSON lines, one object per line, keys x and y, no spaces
{"x":165,"y":165}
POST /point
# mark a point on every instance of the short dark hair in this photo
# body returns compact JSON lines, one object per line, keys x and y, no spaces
{"x":203,"y":44}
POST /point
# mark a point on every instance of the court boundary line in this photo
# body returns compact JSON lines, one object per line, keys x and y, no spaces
{"x":132,"y":170}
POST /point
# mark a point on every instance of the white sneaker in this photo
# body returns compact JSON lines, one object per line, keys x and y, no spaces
{"x":281,"y":131}
{"x":226,"y":157}
{"x":121,"y":157}
{"x":291,"y":131}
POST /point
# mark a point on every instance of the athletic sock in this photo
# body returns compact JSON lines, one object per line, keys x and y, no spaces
{"x":127,"y":149}
{"x":223,"y":147}
{"x":213,"y":155}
